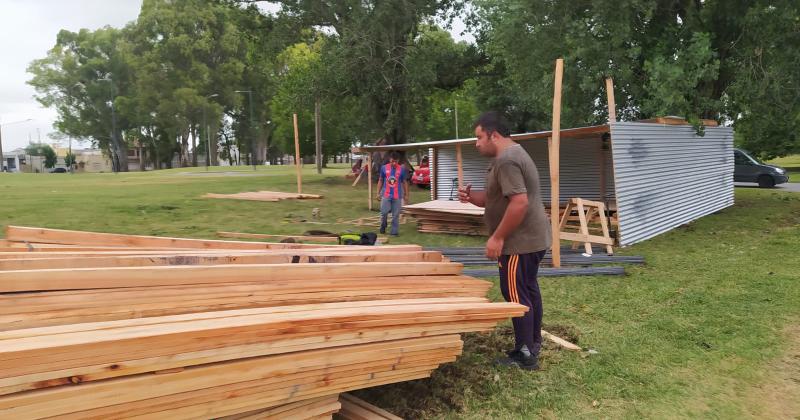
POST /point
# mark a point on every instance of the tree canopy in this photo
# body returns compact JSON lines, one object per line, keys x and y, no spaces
{"x":186,"y":71}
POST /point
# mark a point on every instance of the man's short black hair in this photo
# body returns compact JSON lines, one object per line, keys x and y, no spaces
{"x":493,"y":121}
{"x":394,"y":155}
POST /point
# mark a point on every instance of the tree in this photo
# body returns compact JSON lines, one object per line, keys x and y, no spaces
{"x":70,"y":159}
{"x":367,"y":53}
{"x":44,"y":150}
{"x":81,"y":77}
{"x":714,"y":59}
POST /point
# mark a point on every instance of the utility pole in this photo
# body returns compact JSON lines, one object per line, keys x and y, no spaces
{"x":455,"y":101}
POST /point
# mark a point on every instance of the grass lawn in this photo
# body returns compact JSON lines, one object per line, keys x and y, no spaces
{"x":791,"y":164}
{"x":708,"y":328}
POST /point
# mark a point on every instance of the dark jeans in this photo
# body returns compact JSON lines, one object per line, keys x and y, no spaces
{"x":519,"y":284}
{"x":392,"y":205}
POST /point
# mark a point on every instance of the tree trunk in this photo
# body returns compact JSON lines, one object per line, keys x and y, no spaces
{"x":193,"y":132}
{"x":184,"y":143}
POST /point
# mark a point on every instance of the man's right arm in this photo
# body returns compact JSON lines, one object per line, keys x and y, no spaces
{"x":466,"y":195}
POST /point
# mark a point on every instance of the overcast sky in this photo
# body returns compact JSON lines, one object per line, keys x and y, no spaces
{"x":28,"y":29}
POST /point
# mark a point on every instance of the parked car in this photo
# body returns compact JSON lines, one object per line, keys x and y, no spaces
{"x":58,"y":171}
{"x":748,"y":169}
{"x":422,"y":175}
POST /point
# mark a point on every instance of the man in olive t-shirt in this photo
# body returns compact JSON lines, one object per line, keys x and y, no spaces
{"x":519,"y":230}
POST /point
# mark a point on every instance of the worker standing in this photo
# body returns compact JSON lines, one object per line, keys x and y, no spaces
{"x":392,"y":191}
{"x":518,"y":227}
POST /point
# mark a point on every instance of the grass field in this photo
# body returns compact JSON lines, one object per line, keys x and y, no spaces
{"x":707,"y":328}
{"x":791,"y":164}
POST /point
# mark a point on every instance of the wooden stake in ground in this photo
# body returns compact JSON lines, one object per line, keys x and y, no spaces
{"x":318,"y":135}
{"x":297,"y":156}
{"x":554,"y":144}
{"x":460,"y":163}
{"x":369,"y":180}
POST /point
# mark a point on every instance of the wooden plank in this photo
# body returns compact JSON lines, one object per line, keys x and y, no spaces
{"x":288,"y":410}
{"x":554,"y":143}
{"x":71,"y":237}
{"x":369,"y":181}
{"x":94,"y":278}
{"x":460,"y":166}
{"x":612,"y":106}
{"x":211,"y":259}
{"x":586,"y":238}
{"x":584,"y":228}
{"x":353,"y":408}
{"x":308,"y":238}
{"x":297,"y":155}
{"x":117,"y":341}
{"x":65,"y":400}
{"x":560,"y":341}
{"x":89,"y":373}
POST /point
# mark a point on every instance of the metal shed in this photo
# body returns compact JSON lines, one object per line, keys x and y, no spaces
{"x":659,"y":175}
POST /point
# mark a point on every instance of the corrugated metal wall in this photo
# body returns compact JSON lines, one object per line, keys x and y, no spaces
{"x":579,"y":175}
{"x":667,"y":176}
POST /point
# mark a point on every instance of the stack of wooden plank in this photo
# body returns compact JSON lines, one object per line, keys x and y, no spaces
{"x":440,"y":216}
{"x":263,"y":196}
{"x":114,"y":326}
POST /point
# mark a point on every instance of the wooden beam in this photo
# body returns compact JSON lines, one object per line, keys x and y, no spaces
{"x":612,"y":106}
{"x":432,"y":168}
{"x":73,"y":237}
{"x":369,"y":181}
{"x":560,"y":341}
{"x":307,"y":238}
{"x":95,"y":278}
{"x":297,"y":155}
{"x":595,"y":239}
{"x":460,"y":166}
{"x":554,"y":143}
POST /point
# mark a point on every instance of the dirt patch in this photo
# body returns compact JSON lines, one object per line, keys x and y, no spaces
{"x":778,"y":396}
{"x":450,"y":387}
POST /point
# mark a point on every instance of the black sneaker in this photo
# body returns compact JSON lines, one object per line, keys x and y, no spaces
{"x":383,"y":230}
{"x":520,"y":360}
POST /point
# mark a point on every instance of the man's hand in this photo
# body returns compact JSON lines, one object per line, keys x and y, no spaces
{"x":464,"y":194}
{"x":494,"y":247}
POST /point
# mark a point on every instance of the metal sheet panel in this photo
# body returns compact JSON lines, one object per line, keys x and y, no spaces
{"x":667,"y":176}
{"x":579,"y":177}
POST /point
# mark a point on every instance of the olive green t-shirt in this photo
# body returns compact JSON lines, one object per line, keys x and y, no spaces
{"x":513,"y":172}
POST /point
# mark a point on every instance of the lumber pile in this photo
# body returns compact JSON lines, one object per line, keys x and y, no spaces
{"x":440,"y":216}
{"x":263,"y":196}
{"x":98,"y":326}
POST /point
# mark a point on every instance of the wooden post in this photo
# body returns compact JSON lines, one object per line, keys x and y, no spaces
{"x":612,"y":106}
{"x":297,"y":156}
{"x":460,"y":165}
{"x":432,"y":168}
{"x":318,"y":135}
{"x":612,"y":118}
{"x":369,"y":179}
{"x":554,"y":144}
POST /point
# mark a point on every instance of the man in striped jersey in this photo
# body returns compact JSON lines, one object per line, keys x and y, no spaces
{"x":518,"y":227}
{"x":392,"y":191}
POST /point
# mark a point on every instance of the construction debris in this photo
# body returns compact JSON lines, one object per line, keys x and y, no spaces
{"x":263,"y":196}
{"x":115,"y":326}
